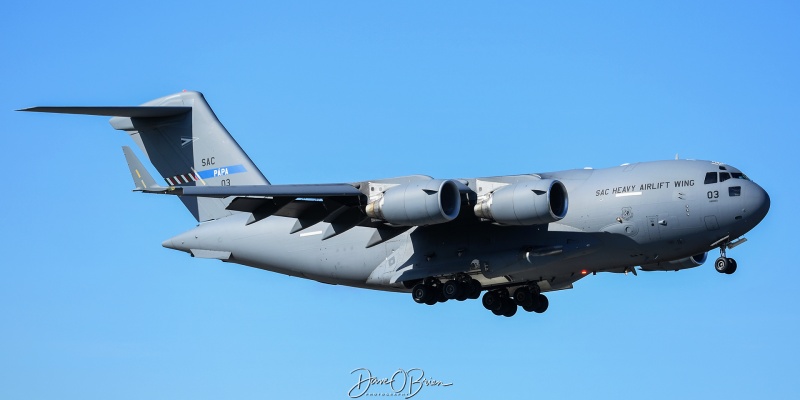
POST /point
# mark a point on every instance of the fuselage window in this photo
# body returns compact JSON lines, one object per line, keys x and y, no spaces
{"x":735,"y":191}
{"x":711,"y":177}
{"x":724,"y":176}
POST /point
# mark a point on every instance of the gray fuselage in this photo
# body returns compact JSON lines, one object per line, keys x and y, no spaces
{"x":641,"y":214}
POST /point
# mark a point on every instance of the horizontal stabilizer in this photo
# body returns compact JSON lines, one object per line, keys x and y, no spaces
{"x":141,"y":178}
{"x":311,"y":190}
{"x":182,"y":138}
{"x":135,"y":111}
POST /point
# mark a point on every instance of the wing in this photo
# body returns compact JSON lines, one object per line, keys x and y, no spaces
{"x":311,"y":190}
{"x":342,"y":205}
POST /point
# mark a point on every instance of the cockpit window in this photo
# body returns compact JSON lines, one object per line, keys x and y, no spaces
{"x":735,"y":191}
{"x":713,"y":177}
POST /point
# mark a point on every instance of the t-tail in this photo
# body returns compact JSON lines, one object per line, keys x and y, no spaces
{"x":186,"y":143}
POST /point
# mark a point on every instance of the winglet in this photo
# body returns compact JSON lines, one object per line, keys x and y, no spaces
{"x":141,"y":178}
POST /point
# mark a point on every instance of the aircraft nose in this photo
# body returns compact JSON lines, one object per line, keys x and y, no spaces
{"x":759,"y":202}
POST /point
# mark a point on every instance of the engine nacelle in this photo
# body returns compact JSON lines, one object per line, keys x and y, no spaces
{"x":532,"y":202}
{"x":684,"y":263}
{"x":427,"y":202}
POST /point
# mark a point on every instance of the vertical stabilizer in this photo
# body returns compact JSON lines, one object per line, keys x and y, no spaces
{"x":191,"y":149}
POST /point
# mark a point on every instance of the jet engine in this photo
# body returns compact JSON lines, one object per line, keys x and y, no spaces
{"x":684,"y":263}
{"x":526,"y":203}
{"x":427,"y":202}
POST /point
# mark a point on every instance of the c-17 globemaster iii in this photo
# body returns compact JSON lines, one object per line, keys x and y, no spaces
{"x":512,"y":237}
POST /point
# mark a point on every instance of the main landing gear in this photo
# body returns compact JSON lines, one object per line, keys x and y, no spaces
{"x":529,"y":298}
{"x":724,"y":265}
{"x":431,"y":291}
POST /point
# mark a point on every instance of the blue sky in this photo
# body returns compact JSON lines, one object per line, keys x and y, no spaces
{"x":91,"y":305}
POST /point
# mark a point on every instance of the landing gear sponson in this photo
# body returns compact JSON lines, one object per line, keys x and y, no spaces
{"x":431,"y":291}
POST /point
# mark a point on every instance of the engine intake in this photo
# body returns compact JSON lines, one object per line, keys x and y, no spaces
{"x":428,"y":202}
{"x":527,"y":203}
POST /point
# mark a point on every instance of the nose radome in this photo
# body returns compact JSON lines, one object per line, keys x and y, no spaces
{"x":759,"y":202}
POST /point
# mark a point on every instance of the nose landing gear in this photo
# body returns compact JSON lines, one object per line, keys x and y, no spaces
{"x":723,"y":264}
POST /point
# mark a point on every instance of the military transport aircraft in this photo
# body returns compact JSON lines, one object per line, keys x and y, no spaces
{"x":512,"y":237}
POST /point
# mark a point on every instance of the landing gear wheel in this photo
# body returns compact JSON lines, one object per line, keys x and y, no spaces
{"x":422,"y":293}
{"x":532,"y":305}
{"x":452,"y":289}
{"x":528,"y":308}
{"x":725,"y":265}
{"x":509,"y":308}
{"x":731,"y":266}
{"x":541,"y":304}
{"x":440,"y":296}
{"x":523,"y":296}
{"x":465,"y":288}
{"x":721,"y":265}
{"x":535,"y":289}
{"x":492,"y":301}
